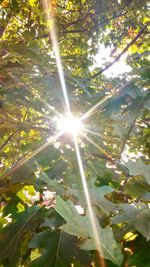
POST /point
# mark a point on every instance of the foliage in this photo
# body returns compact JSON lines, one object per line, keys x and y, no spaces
{"x":41,"y":230}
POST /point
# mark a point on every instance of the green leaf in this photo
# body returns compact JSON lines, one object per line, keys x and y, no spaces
{"x":81,"y":227}
{"x":115,"y":115}
{"x":55,"y":250}
{"x":140,"y":256}
{"x":13,"y":235}
{"x":97,"y":195}
{"x":147,"y":102}
{"x":137,"y":187}
{"x":110,"y":249}
{"x":139,"y":168}
{"x":137,"y":218}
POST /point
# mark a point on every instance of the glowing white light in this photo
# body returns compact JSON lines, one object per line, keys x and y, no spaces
{"x":70,"y":125}
{"x":79,"y":209}
{"x":104,"y":55}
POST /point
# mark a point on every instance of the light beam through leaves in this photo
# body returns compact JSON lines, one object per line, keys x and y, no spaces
{"x":53,"y":37}
{"x":34,"y":153}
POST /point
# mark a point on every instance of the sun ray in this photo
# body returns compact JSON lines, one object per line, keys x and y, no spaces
{"x":53,"y":37}
{"x":102,"y":151}
{"x":93,"y":110}
{"x":70,"y":125}
{"x":51,"y":108}
{"x":94,"y":133}
{"x":98,"y":134}
{"x":30,"y":89}
{"x":34,"y":153}
{"x":89,"y":205}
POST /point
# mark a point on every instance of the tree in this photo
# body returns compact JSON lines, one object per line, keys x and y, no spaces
{"x":41,"y":185}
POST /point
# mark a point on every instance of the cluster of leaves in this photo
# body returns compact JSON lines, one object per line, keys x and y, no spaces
{"x":35,"y":232}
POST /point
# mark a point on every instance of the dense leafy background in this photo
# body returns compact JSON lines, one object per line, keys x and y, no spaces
{"x":52,"y":233}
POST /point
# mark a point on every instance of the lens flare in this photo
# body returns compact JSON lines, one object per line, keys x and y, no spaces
{"x":53,"y":36}
{"x":89,"y":205}
{"x":101,"y":104}
{"x":102,"y":151}
{"x":73,"y":126}
{"x":70,"y":124}
{"x":94,"y":133}
{"x":26,"y":158}
{"x":97,"y":107}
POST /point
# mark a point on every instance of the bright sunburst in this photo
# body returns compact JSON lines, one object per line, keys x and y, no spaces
{"x":70,"y":124}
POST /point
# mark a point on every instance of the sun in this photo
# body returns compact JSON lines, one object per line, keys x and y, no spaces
{"x":70,"y":125}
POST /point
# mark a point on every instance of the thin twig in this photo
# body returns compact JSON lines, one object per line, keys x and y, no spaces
{"x":132,"y":125}
{"x":127,"y":136}
{"x":8,"y":139}
{"x":3,"y":28}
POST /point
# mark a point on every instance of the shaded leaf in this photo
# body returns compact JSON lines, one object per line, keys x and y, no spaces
{"x":139,"y":168}
{"x":55,"y":250}
{"x":81,"y":227}
{"x":97,"y":195}
{"x":137,"y":187}
{"x":13,"y":235}
{"x":137,"y":218}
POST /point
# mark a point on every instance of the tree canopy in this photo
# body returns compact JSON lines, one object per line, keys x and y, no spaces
{"x":74,"y":199}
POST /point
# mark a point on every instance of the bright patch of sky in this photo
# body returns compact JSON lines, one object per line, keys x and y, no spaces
{"x":104,"y":57}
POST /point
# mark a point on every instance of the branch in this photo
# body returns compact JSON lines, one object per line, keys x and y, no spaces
{"x":84,"y":17}
{"x":8,"y":139}
{"x":13,"y":65}
{"x":103,"y":156}
{"x":123,"y":52}
{"x":46,"y":35}
{"x":117,"y":163}
{"x":121,"y":13}
{"x":80,"y":19}
{"x":100,"y":23}
{"x":127,"y":137}
{"x":3,"y":28}
{"x":126,"y":5}
{"x":109,"y":19}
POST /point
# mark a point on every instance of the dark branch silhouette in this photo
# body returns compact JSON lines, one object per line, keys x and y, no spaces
{"x":123,"y":52}
{"x":3,"y":27}
{"x":8,"y":139}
